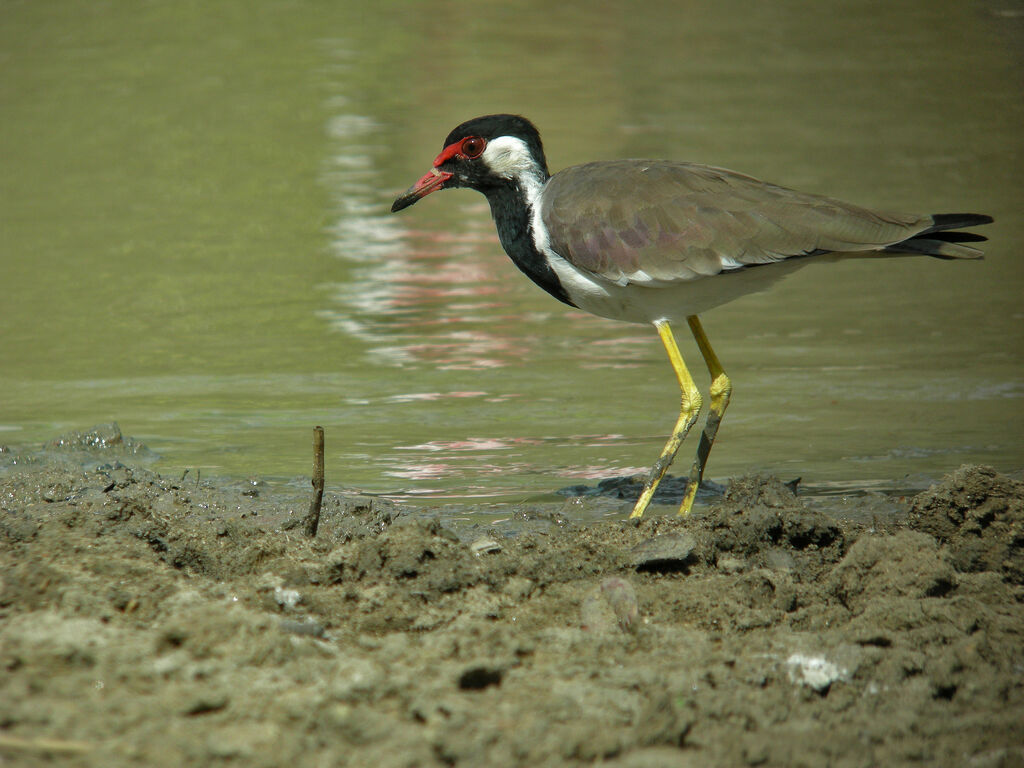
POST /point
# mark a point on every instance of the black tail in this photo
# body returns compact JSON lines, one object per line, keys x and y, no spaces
{"x":940,"y":241}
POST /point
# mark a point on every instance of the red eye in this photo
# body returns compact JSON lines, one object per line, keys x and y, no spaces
{"x":472,"y":147}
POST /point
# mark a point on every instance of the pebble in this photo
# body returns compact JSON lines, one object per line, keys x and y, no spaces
{"x":485,"y":545}
{"x":287,"y":598}
{"x":670,"y":552}
{"x":816,"y":672}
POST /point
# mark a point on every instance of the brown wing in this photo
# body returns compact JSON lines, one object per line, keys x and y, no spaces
{"x":659,"y":222}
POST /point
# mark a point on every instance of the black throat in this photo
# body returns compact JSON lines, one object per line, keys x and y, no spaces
{"x":512,"y":214}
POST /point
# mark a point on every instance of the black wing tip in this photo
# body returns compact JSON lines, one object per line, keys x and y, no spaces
{"x":941,"y":221}
{"x":942,"y":239}
{"x":957,"y":237}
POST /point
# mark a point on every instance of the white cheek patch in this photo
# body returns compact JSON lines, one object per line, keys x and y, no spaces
{"x":508,"y":157}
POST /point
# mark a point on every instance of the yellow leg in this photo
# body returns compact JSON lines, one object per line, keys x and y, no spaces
{"x":721,"y":390}
{"x":688,"y":411}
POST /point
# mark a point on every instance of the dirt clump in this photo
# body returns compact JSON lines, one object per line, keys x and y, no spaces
{"x":979,"y":516}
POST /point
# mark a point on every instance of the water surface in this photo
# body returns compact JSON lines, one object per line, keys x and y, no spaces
{"x":195,"y":238}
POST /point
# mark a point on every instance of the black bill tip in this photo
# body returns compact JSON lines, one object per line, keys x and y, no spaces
{"x":403,"y":202}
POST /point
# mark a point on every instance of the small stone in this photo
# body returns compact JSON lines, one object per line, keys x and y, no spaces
{"x":816,"y":672}
{"x":287,"y":598}
{"x":485,"y":545}
{"x":665,"y":554}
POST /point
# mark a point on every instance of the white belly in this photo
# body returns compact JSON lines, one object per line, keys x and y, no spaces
{"x":636,"y":303}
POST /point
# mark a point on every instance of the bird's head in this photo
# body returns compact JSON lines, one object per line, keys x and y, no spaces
{"x":484,"y":153}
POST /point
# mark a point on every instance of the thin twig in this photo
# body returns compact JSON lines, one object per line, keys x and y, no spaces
{"x":313,"y":518}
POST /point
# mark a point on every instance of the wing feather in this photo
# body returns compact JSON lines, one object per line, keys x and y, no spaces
{"x":665,"y":222}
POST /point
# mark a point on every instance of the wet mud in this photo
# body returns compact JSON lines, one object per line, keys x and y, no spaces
{"x":147,"y":620}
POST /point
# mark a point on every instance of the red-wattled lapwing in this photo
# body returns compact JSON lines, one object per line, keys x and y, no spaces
{"x":656,"y":241}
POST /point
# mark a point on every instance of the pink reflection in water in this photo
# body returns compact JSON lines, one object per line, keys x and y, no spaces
{"x":436,"y":297}
{"x":413,"y":397}
{"x":474,"y":444}
{"x":472,"y":457}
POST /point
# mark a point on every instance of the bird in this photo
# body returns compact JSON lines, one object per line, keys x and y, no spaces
{"x":661,"y":242}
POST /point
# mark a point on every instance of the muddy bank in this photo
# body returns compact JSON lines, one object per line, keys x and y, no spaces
{"x":157,"y":621}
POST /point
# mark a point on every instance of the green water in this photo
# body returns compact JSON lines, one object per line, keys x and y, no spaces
{"x":195,"y":238}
